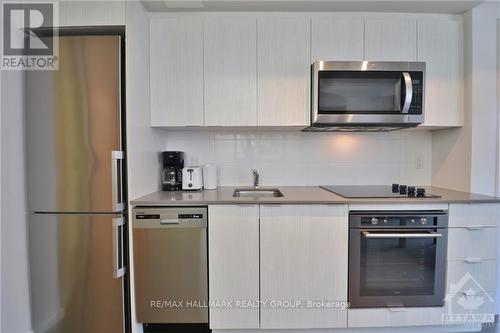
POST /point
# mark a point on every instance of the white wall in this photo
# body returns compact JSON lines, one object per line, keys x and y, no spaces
{"x":451,"y":148}
{"x":14,"y":278}
{"x":88,"y":13}
{"x":143,"y":142}
{"x":483,"y":98}
{"x":15,"y":301}
{"x":14,"y":261}
{"x":297,"y":158}
{"x":466,"y":158}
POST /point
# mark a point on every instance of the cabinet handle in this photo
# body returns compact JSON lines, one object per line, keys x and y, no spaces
{"x":169,"y":221}
{"x":473,"y":260}
{"x":396,"y":309}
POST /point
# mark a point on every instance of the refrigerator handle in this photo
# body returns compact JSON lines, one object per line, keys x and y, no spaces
{"x":119,"y":268}
{"x":116,"y":180}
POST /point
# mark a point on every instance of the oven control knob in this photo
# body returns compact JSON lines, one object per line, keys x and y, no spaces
{"x":423,"y":220}
{"x":385,"y":221}
{"x":374,"y":220}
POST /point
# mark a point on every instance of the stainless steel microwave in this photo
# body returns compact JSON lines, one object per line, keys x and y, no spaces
{"x":366,"y":95}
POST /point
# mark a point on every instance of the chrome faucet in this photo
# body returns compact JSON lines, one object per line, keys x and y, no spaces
{"x":255,"y":178}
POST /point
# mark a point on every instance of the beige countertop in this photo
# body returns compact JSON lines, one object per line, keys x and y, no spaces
{"x":299,"y":195}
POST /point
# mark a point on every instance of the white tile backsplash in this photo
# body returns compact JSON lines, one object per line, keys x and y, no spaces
{"x":297,"y":158}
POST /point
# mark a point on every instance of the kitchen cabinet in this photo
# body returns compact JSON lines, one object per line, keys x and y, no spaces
{"x":483,"y":271}
{"x":393,"y":317}
{"x":473,"y":215}
{"x":390,"y":39}
{"x":440,"y":46}
{"x":337,"y":38}
{"x":474,"y":225}
{"x":283,"y":61}
{"x":253,"y":70}
{"x":176,"y":71}
{"x":233,"y":257}
{"x":303,"y":257}
{"x":230,"y":67}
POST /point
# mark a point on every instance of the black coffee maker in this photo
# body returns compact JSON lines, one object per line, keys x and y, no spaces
{"x":173,"y":162}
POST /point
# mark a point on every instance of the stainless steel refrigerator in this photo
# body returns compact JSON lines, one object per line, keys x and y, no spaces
{"x":76,"y":186}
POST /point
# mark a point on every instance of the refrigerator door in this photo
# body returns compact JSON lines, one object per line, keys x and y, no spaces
{"x":73,"y":129}
{"x":76,"y":281}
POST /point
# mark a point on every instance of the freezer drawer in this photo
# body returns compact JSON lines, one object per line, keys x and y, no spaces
{"x":75,"y":283}
{"x":170,"y":264}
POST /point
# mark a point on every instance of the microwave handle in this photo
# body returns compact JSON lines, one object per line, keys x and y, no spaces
{"x":408,"y":92}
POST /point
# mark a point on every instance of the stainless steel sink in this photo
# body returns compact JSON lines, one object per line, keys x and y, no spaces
{"x":257,"y":192}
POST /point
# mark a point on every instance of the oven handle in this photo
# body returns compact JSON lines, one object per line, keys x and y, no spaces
{"x":367,"y":234}
{"x":408,"y":89}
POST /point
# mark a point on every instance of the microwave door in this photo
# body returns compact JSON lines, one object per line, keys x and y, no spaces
{"x":406,"y":92}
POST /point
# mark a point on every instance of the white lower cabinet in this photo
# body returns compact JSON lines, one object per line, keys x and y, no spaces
{"x":482,"y":271}
{"x":233,"y":262}
{"x":286,"y":267}
{"x":303,"y":258}
{"x":472,"y":243}
{"x":472,"y":262}
{"x":387,"y":317}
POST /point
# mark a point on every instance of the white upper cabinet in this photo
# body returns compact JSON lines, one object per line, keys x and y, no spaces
{"x":303,"y":257}
{"x":390,"y":39}
{"x":230,"y":66}
{"x":440,"y":46}
{"x":283,"y":71}
{"x":223,"y":69}
{"x":337,"y":38}
{"x":176,"y":71}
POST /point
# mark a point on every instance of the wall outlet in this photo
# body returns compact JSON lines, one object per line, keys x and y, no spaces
{"x":419,"y":162}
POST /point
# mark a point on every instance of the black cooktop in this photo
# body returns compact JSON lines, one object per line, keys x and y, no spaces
{"x":370,"y":191}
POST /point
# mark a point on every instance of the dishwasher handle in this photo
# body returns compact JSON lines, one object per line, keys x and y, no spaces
{"x":168,"y":224}
{"x":169,"y":221}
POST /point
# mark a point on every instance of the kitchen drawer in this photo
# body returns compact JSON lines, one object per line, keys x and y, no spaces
{"x":386,"y":317}
{"x":483,"y":272}
{"x":472,"y":243}
{"x":464,"y":215}
{"x":478,"y":307}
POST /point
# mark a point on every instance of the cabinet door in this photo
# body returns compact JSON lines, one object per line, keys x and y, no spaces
{"x":440,"y":46}
{"x":233,"y":265}
{"x":399,"y":316}
{"x":390,"y":39}
{"x":230,"y":71}
{"x":336,"y":38}
{"x":283,"y":71}
{"x":176,"y":71}
{"x":303,"y":258}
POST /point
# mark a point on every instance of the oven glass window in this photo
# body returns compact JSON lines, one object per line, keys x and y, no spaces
{"x":397,"y":266}
{"x":355,"y":91}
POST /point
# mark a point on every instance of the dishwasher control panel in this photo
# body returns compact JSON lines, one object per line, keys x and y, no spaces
{"x":155,"y":217}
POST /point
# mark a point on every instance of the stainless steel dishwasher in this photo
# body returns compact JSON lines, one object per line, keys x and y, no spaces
{"x":170,"y":264}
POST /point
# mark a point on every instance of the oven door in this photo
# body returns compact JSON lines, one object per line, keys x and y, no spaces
{"x":397,"y":267}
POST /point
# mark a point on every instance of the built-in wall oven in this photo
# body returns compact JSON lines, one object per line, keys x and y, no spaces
{"x":397,"y":258}
{"x":366,"y":95}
